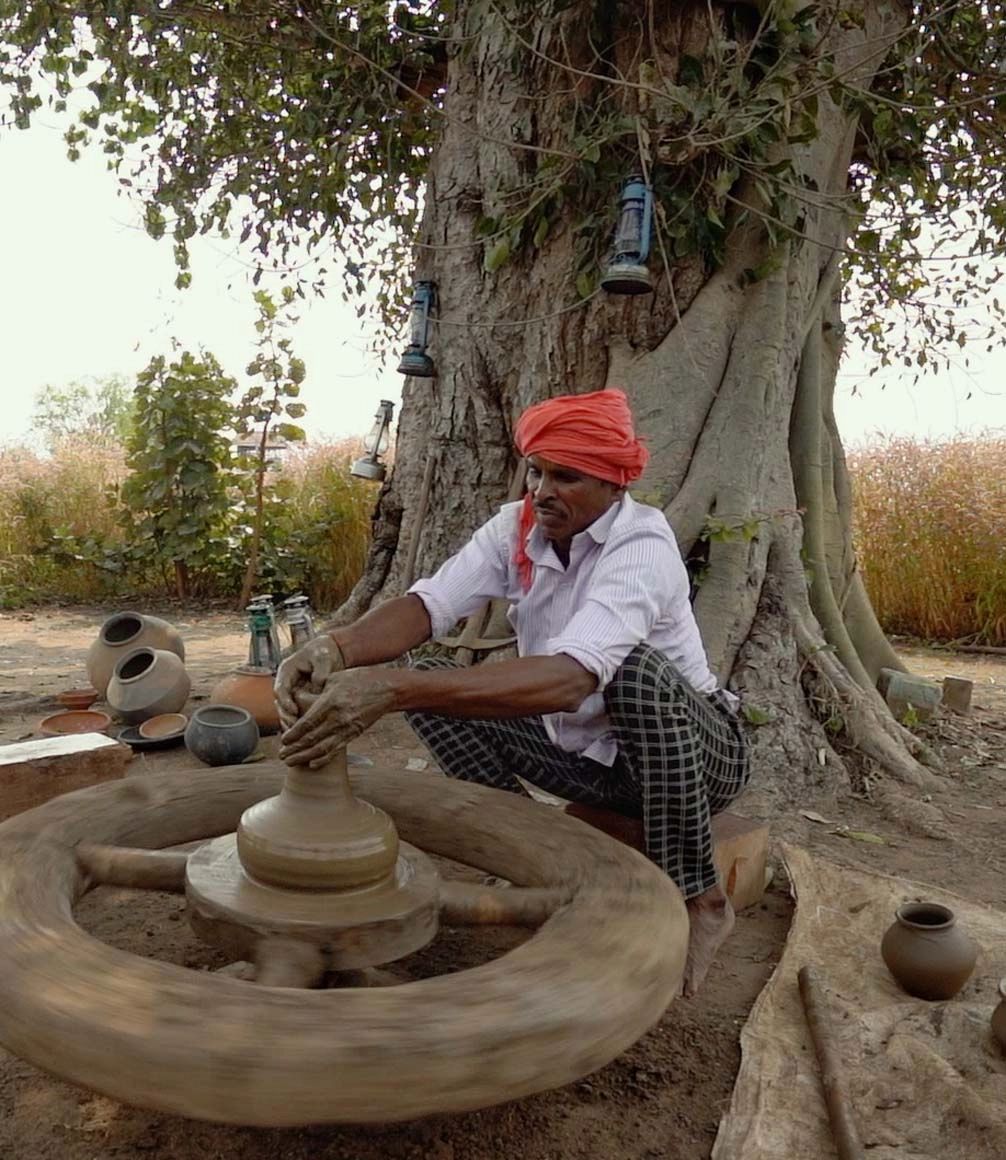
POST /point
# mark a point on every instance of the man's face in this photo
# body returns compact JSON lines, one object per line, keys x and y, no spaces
{"x":566,"y":500}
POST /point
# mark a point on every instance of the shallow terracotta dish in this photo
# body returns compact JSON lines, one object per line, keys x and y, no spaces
{"x":162,"y":726}
{"x":75,"y":721}
{"x":77,"y":698}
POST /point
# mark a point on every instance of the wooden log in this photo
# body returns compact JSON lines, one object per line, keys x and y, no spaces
{"x":32,"y":772}
{"x":740,"y":851}
{"x":836,"y":1096}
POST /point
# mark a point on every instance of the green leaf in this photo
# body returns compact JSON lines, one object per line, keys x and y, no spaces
{"x":755,"y":716}
{"x":496,"y":255}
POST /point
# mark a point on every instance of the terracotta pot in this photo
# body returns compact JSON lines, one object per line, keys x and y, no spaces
{"x":122,"y":633}
{"x":251,"y":689}
{"x":999,"y":1016}
{"x":927,"y":952}
{"x":221,"y":734}
{"x":146,"y":682}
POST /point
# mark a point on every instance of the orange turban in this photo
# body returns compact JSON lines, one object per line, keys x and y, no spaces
{"x":591,"y":433}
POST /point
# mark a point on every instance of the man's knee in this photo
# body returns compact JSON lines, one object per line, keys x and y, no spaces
{"x":644,"y":677}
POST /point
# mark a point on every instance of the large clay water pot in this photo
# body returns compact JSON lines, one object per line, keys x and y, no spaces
{"x":250,"y":688}
{"x":221,"y":734}
{"x":927,"y":952}
{"x":122,"y":633}
{"x":146,"y":682}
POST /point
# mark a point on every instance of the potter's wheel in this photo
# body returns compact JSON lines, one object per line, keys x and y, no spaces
{"x":296,"y":875}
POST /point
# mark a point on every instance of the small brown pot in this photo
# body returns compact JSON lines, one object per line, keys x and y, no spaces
{"x":927,"y":952}
{"x":252,"y":689}
{"x":121,"y":634}
{"x":146,"y":682}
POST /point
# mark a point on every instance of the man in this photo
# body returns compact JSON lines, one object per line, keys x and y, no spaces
{"x":609,"y":704}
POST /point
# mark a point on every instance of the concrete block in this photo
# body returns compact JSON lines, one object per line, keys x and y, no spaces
{"x":740,"y":850}
{"x":957,"y":694}
{"x":902,"y":692}
{"x":32,"y":772}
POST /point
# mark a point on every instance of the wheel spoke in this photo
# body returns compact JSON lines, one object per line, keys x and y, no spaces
{"x":286,"y":962}
{"x":126,"y":866}
{"x":468,"y":904}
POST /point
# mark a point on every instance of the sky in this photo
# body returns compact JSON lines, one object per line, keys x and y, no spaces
{"x":86,"y":294}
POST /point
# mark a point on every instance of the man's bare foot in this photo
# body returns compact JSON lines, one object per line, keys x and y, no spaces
{"x":711,"y":919}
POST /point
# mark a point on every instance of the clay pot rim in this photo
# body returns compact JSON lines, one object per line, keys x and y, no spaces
{"x":239,"y":723}
{"x":908,"y":914}
{"x":116,"y":619}
{"x":123,"y":661}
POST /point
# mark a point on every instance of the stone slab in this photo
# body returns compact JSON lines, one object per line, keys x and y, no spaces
{"x":740,"y":850}
{"x":32,"y":772}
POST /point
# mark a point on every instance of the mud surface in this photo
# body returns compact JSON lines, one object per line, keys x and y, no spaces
{"x":662,"y":1099}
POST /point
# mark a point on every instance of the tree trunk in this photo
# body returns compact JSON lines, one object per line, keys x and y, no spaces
{"x":731,"y":375}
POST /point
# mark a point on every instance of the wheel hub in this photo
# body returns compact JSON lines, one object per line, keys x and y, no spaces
{"x":316,"y":865}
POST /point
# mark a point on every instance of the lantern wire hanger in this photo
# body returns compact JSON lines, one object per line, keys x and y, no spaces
{"x":375,"y":443}
{"x":627,"y":272}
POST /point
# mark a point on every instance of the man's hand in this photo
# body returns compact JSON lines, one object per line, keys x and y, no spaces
{"x":306,"y":671}
{"x":350,"y":703}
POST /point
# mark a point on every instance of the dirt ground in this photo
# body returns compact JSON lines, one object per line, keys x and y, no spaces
{"x":661,"y":1099}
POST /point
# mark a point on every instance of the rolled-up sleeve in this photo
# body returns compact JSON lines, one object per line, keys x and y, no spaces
{"x":473,"y":575}
{"x":623,"y":604}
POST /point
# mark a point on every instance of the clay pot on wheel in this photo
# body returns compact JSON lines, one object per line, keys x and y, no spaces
{"x":251,"y":688}
{"x":927,"y":952}
{"x":221,"y":734}
{"x":146,"y":682}
{"x":121,"y":634}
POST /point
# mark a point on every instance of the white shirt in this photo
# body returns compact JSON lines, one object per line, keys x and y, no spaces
{"x":625,"y":585}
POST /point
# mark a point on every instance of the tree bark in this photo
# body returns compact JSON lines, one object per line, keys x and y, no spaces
{"x":731,"y":376}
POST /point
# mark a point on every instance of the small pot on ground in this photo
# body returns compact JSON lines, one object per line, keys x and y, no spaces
{"x":221,"y":734}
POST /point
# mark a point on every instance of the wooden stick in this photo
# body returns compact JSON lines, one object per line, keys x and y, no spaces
{"x":465,"y":903}
{"x":836,"y":1097}
{"x":140,"y":869}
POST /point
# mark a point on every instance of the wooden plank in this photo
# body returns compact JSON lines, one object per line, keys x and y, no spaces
{"x":32,"y":772}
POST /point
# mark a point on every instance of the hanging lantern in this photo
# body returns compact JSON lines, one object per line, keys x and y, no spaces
{"x":376,"y":444}
{"x":415,"y":361}
{"x":627,"y":273}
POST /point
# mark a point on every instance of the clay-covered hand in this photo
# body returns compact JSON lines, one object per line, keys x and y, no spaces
{"x":350,"y":703}
{"x":306,"y":671}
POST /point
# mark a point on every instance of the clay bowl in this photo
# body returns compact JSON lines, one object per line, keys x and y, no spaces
{"x":75,"y":721}
{"x":77,"y":698}
{"x":163,"y":726}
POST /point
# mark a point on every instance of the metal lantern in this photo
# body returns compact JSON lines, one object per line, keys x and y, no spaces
{"x":415,"y":361}
{"x":376,"y":443}
{"x":627,"y":273}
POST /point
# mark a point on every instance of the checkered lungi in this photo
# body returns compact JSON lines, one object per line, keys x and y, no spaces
{"x":682,"y":757}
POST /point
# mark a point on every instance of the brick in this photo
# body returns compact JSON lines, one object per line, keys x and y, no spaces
{"x":740,"y":850}
{"x":957,"y":694}
{"x":32,"y":772}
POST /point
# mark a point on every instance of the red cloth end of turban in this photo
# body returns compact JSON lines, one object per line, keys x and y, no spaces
{"x":592,"y":433}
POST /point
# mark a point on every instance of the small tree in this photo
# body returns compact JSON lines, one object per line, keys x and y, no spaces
{"x":181,"y":463}
{"x":100,"y":406}
{"x":278,"y":375}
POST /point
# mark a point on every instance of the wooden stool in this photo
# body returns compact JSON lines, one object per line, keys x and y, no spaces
{"x":740,"y":848}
